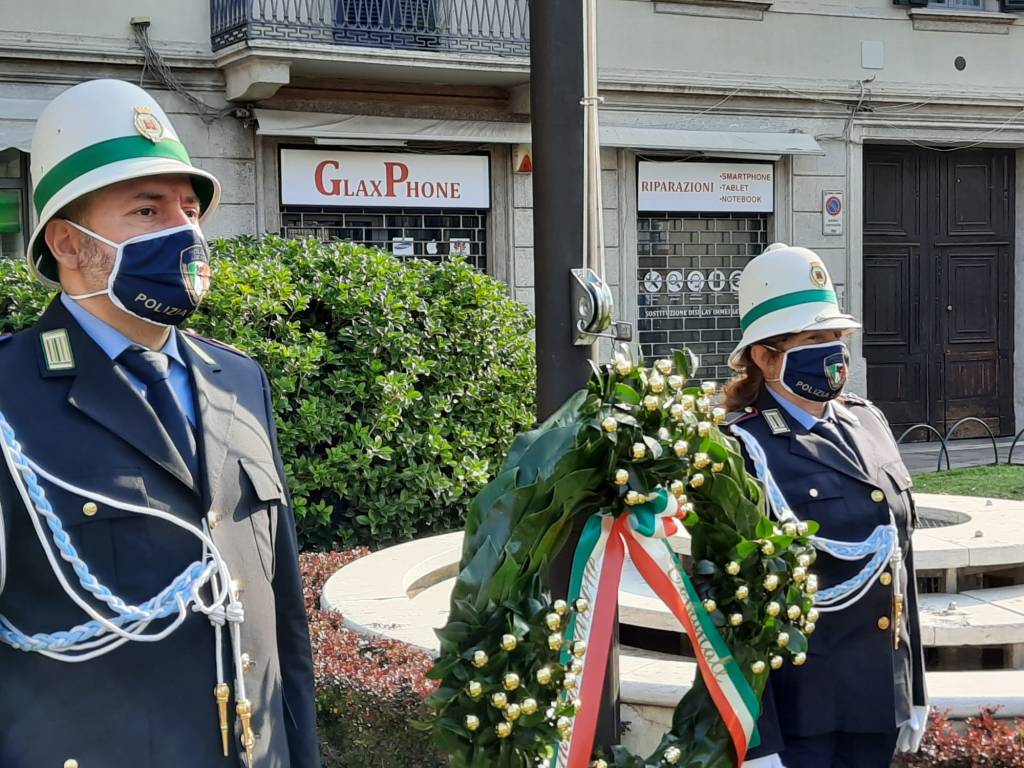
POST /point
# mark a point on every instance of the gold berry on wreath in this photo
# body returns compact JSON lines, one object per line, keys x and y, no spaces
{"x":480,"y":659}
{"x":499,"y":700}
{"x":560,"y":607}
{"x":639,"y":451}
{"x":472,"y":722}
{"x":663,"y":366}
{"x":474,"y":689}
{"x":681,"y":448}
{"x":510,"y":682}
{"x":529,"y":706}
{"x":582,"y":606}
{"x":672,"y":755}
{"x":553,"y":621}
{"x":508,"y":643}
{"x":732,"y":567}
{"x":503,"y":729}
{"x":621,"y":477}
{"x":544,"y":676}
{"x":758,"y":667}
{"x":742,"y":592}
{"x":609,"y":424}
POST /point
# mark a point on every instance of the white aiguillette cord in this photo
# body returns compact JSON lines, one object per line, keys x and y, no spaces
{"x":103,"y":634}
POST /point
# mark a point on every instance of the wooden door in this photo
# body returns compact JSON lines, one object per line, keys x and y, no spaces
{"x":938,"y":277}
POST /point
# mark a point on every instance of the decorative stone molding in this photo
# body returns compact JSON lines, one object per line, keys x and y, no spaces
{"x":255,"y":78}
{"x":977,"y":22}
{"x":752,"y":10}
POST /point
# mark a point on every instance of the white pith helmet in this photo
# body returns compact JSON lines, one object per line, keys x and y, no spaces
{"x":786,"y":290}
{"x":96,"y":134}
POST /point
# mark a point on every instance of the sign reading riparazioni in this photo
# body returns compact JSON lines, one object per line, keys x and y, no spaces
{"x":706,"y":187}
{"x":322,"y":178}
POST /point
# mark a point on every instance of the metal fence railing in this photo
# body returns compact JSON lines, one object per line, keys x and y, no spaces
{"x":944,"y":439}
{"x":496,"y":27}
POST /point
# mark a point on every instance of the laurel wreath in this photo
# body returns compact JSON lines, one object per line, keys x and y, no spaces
{"x":506,"y":696}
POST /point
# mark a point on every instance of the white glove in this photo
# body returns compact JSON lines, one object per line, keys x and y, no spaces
{"x":768,"y":761}
{"x":912,"y":731}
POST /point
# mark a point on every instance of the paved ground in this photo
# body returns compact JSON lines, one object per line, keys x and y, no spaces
{"x":924,"y":457}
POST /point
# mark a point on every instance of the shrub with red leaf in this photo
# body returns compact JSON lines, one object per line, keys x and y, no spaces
{"x":367,"y":690}
{"x":982,"y":741}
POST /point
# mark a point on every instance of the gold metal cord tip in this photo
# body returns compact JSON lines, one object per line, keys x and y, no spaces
{"x":244,"y":710}
{"x":222,"y":693}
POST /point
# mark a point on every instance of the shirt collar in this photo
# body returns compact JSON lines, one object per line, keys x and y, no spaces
{"x":806,"y":420}
{"x":111,"y":340}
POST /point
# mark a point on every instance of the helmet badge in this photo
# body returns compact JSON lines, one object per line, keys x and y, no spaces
{"x":148,"y":124}
{"x":819,"y":277}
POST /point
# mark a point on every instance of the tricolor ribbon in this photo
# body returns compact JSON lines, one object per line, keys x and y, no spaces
{"x":596,"y":573}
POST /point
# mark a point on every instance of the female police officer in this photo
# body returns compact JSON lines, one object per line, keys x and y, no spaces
{"x":828,"y":456}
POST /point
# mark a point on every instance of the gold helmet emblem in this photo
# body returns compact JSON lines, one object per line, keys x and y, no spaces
{"x":148,"y":124}
{"x":819,"y":277}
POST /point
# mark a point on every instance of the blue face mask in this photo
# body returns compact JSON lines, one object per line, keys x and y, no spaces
{"x":816,"y":372}
{"x":160,"y":277}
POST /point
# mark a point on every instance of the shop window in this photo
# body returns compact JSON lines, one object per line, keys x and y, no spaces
{"x":689,"y":267}
{"x":13,"y":203}
{"x":407,"y":232}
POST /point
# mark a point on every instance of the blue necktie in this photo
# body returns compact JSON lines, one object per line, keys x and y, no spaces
{"x":828,"y":429}
{"x":153,"y":370}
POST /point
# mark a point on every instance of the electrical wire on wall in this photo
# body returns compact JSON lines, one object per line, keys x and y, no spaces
{"x":154,"y":62}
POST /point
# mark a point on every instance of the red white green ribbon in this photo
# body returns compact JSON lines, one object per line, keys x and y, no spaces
{"x":597,"y":570}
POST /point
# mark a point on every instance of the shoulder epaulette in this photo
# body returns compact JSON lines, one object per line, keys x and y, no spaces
{"x":214,"y":342}
{"x":851,"y":398}
{"x":737,"y":416}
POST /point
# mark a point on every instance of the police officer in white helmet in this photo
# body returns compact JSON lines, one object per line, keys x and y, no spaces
{"x":151,"y":609}
{"x":828,"y":455}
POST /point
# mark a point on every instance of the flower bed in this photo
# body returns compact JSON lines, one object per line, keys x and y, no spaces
{"x":982,"y":742}
{"x":367,"y":690}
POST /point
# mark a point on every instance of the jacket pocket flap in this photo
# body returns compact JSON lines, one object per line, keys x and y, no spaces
{"x":815,"y":487}
{"x":125,"y":485}
{"x":897,"y":470}
{"x":264,"y":478}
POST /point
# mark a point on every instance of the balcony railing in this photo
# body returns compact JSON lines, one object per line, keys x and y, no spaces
{"x":496,"y":27}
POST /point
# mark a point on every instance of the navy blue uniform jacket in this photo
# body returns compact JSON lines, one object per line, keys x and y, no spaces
{"x":149,"y":705}
{"x":855,"y":680}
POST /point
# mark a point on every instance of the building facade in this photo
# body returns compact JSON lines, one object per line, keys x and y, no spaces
{"x":884,"y":136}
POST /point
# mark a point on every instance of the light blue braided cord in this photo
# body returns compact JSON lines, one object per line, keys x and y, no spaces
{"x":160,"y":607}
{"x":880,"y":544}
{"x":182,"y":590}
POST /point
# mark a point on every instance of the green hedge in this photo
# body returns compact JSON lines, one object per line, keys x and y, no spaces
{"x":397,"y":385}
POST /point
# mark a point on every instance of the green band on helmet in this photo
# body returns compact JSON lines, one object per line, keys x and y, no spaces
{"x":787,"y":300}
{"x":99,"y":155}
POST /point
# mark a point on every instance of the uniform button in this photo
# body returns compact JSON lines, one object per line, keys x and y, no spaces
{"x":883,"y":623}
{"x":877,"y":495}
{"x":886,"y":579}
{"x":247,"y":663}
{"x":237,"y":586}
{"x":813,"y":493}
{"x":90,"y":508}
{"x":213,"y":518}
{"x":71,"y":763}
